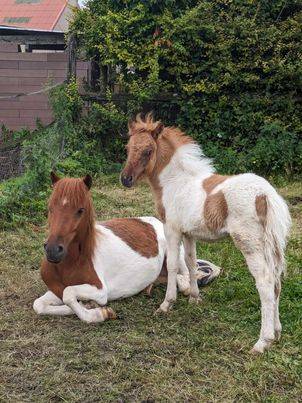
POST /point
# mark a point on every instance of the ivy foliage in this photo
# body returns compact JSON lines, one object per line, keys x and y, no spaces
{"x":230,"y":70}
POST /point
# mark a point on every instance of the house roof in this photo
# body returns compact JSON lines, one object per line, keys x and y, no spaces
{"x":32,"y":14}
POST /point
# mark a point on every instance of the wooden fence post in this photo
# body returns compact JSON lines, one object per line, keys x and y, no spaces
{"x":72,"y":59}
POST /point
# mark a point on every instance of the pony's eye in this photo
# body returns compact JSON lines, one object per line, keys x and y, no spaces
{"x":147,"y":153}
{"x":80,"y":211}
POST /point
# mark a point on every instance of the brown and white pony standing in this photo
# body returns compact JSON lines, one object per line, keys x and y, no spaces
{"x":195,"y":203}
{"x":85,"y":260}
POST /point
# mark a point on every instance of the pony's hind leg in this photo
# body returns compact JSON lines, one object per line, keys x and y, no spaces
{"x":265,"y":283}
{"x":191,"y":262}
{"x":252,"y":246}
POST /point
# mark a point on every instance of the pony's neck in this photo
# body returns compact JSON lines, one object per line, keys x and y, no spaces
{"x":178,"y":156}
{"x":83,"y":245}
{"x":87,"y":241}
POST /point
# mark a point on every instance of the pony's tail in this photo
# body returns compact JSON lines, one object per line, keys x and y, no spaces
{"x":276,"y":231}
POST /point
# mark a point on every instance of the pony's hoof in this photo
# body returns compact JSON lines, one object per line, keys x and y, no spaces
{"x":256,"y":351}
{"x":195,"y":300}
{"x":164,"y":308}
{"x":108,"y":313}
{"x":186,"y":292}
{"x":261,"y":346}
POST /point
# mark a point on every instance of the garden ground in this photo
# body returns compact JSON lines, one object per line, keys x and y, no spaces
{"x":196,"y":353}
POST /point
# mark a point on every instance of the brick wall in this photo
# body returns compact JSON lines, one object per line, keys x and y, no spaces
{"x":29,"y":72}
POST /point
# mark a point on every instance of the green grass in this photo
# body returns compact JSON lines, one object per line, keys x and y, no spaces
{"x":196,"y":353}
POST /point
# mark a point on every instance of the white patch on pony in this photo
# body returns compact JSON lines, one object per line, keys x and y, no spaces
{"x":64,"y":202}
{"x":115,"y":263}
{"x":183,"y":195}
{"x":190,"y":159}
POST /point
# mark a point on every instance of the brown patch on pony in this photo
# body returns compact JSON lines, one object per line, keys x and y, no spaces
{"x":215,"y":211}
{"x":261,"y":208}
{"x":212,"y":181}
{"x":138,"y":234}
{"x":77,"y":266}
{"x":157,"y":191}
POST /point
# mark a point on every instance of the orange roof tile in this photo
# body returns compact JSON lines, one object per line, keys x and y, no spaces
{"x":35,"y":14}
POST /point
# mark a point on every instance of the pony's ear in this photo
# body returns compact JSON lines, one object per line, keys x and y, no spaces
{"x":54,"y":177}
{"x":88,"y":181}
{"x":157,"y":130}
{"x":130,"y":127}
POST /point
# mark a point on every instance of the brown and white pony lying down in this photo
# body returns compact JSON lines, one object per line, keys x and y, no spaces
{"x":103,"y":261}
{"x":195,"y":203}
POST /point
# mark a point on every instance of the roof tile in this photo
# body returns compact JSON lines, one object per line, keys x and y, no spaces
{"x":42,"y":14}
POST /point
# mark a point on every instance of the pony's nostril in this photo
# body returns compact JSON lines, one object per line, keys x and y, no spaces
{"x":60,"y":248}
{"x":127,"y":181}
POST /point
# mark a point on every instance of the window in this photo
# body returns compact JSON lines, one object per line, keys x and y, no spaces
{"x":27,"y":1}
{"x":18,"y":20}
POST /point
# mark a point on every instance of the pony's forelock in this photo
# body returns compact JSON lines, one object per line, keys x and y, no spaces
{"x":72,"y":189}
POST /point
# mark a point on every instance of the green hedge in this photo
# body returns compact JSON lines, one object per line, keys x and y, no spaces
{"x":231,"y":71}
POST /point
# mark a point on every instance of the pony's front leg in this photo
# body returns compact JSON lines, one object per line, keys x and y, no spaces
{"x":85,"y":292}
{"x":173,"y":250}
{"x":191,"y":262}
{"x":50,"y":304}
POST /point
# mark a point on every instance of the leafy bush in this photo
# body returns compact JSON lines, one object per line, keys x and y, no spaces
{"x":231,"y":72}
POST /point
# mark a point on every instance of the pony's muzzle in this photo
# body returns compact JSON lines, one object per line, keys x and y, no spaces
{"x":127,"y":181}
{"x":54,"y":252}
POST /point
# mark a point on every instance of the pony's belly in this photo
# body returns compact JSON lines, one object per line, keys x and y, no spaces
{"x":124,"y":271}
{"x":132,"y":279}
{"x":202,"y":233}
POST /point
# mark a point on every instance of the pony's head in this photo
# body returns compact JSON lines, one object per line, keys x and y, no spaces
{"x":70,"y":217}
{"x":141,"y":149}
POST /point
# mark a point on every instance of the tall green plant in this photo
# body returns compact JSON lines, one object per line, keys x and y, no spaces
{"x":231,"y":70}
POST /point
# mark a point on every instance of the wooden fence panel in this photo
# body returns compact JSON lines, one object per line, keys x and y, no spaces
{"x":23,"y":73}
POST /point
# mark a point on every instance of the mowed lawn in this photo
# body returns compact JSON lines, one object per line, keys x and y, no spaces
{"x":195,"y":353}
